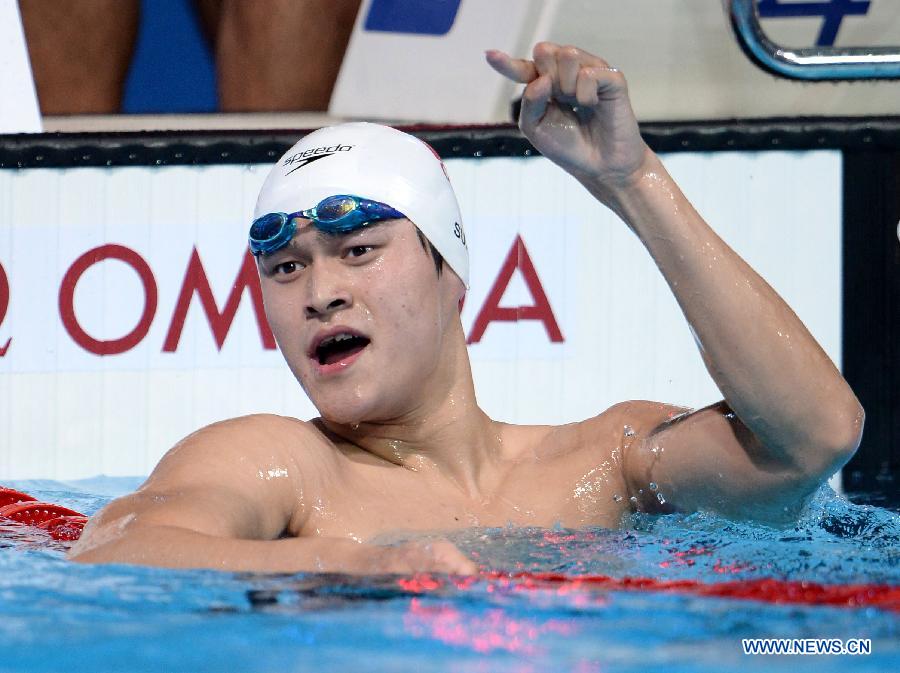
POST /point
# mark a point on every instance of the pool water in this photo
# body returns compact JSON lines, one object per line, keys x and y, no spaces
{"x":58,"y":616}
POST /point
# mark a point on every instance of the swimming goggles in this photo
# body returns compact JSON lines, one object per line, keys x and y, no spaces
{"x":334,"y":215}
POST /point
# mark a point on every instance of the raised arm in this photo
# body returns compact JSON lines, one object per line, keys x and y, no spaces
{"x":227,"y":498}
{"x":795,"y":420}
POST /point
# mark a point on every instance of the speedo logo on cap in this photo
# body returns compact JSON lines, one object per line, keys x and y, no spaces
{"x":300,"y":159}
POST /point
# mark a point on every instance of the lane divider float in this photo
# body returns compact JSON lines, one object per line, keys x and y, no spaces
{"x":66,"y":524}
{"x":61,"y":522}
{"x":766,"y":590}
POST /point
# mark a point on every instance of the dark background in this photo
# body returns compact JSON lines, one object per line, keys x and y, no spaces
{"x":871,"y":321}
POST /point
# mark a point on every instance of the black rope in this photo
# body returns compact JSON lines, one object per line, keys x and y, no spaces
{"x":179,"y":148}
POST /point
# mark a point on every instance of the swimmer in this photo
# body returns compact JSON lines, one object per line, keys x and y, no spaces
{"x":363,"y":262}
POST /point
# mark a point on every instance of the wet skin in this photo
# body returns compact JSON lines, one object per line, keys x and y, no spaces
{"x":402,"y":444}
{"x":569,"y":475}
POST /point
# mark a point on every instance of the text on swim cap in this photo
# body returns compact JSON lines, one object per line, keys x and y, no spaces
{"x":305,"y":154}
{"x":459,"y":232}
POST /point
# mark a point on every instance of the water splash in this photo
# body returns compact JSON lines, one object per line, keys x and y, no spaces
{"x":186,"y":619}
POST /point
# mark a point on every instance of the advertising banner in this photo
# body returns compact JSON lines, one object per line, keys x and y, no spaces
{"x":131,"y":315}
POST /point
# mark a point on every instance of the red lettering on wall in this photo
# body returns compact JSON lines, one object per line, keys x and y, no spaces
{"x":4,"y":304}
{"x":195,"y":281}
{"x":491,"y":311}
{"x":67,"y":299}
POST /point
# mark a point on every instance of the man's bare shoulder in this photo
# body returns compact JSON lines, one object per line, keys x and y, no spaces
{"x":259,"y":445}
{"x":632,"y":418}
{"x":255,"y":423}
{"x":244,"y":433}
{"x":637,"y":417}
{"x":241,"y":477}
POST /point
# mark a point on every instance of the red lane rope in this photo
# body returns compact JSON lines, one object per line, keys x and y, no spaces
{"x":61,"y":522}
{"x":764,"y":589}
{"x":9,"y":496}
{"x":779,"y":592}
{"x":66,"y":524}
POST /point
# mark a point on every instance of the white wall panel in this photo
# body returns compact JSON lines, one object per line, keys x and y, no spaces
{"x":683,"y":62}
{"x":680,"y":56}
{"x":69,"y":413}
{"x":19,"y":111}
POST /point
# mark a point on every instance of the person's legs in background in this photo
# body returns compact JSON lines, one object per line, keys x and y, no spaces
{"x":271,"y":55}
{"x":274,"y":55}
{"x":80,"y":51}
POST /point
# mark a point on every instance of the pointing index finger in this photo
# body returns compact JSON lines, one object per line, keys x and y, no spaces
{"x":516,"y":69}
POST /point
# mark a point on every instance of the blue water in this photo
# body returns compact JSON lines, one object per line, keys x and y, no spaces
{"x":57,"y":616}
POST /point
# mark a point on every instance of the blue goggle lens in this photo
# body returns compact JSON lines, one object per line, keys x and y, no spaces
{"x":271,"y":232}
{"x":267,"y":227}
{"x":334,"y":208}
{"x":335,"y":215}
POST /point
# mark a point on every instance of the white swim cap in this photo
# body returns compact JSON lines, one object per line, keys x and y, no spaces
{"x":374,"y":162}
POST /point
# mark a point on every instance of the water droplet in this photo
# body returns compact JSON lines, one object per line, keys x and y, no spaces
{"x":629,"y":431}
{"x":617,"y":497}
{"x":633,"y":500}
{"x":640,"y":490}
{"x":653,"y":486}
{"x":662,"y":500}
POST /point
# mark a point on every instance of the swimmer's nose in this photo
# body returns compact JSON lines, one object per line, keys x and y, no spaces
{"x":317,"y":310}
{"x":326,"y":293}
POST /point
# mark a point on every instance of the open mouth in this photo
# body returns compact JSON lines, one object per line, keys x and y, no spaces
{"x":339,"y":347}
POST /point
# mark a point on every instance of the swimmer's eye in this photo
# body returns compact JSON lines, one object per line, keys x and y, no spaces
{"x":359,"y":250}
{"x":286,"y":268}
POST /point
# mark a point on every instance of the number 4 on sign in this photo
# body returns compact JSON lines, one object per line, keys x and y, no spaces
{"x":832,"y":11}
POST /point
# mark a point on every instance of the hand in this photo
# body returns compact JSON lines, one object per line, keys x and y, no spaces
{"x":413,"y":557}
{"x":576,"y":112}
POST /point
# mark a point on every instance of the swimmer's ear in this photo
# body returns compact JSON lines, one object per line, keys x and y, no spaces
{"x":459,"y":290}
{"x":453,"y":288}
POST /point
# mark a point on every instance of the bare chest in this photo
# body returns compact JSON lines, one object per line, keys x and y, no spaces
{"x":579,"y":488}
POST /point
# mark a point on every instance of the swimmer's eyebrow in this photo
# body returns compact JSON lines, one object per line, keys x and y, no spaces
{"x":324,"y":238}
